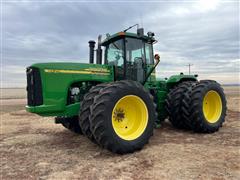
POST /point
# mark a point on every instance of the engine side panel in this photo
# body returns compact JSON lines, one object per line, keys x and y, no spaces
{"x":56,"y":78}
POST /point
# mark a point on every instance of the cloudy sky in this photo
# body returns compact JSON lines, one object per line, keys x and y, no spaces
{"x":204,"y":33}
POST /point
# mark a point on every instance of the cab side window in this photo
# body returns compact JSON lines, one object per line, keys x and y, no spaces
{"x":149,"y":53}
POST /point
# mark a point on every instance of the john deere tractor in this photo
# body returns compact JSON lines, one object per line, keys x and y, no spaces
{"x":117,"y":101}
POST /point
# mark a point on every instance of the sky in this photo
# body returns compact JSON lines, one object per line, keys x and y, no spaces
{"x":204,"y":33}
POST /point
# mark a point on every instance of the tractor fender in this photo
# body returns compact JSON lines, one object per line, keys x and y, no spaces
{"x":176,"y":79}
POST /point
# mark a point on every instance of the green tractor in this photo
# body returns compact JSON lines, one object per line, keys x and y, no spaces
{"x":118,"y":102}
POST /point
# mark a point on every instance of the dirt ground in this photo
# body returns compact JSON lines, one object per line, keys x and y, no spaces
{"x":33,"y":147}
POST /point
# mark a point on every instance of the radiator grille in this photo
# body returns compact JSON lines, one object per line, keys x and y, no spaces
{"x":34,"y":87}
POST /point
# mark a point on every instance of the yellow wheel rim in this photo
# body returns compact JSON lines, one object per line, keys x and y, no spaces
{"x":130,"y":117}
{"x":212,"y":106}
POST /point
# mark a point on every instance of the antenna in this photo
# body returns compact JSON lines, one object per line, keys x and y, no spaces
{"x":131,"y":27}
{"x":141,"y":20}
{"x":189,"y":68}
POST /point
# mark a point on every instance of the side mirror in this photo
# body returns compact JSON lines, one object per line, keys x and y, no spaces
{"x":157,"y":58}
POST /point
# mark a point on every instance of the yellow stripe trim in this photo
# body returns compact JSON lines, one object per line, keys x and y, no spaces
{"x":97,"y":70}
{"x":75,"y":72}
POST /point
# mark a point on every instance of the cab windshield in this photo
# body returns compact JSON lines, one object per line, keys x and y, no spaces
{"x":115,"y":53}
{"x":130,"y":57}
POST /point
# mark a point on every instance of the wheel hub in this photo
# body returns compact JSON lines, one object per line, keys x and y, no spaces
{"x":119,"y":115}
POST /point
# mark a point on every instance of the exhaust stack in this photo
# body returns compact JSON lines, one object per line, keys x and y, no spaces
{"x":99,"y":50}
{"x":91,"y":51}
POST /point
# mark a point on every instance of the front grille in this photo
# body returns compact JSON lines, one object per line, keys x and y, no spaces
{"x":34,"y":87}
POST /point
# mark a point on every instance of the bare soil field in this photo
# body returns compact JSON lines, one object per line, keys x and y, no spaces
{"x":9,"y":93}
{"x":33,"y":147}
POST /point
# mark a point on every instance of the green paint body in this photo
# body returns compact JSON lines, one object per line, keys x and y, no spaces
{"x":55,"y":86}
{"x":56,"y":79}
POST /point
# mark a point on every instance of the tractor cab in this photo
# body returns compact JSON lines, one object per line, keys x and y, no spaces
{"x":130,"y":54}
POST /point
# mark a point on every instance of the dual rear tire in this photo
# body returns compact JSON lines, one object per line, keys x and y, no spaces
{"x":198,"y":106}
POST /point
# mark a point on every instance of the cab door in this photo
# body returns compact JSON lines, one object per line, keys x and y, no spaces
{"x":135,"y":59}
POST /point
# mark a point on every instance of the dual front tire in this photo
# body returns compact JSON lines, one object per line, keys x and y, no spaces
{"x":118,"y":116}
{"x":70,"y":123}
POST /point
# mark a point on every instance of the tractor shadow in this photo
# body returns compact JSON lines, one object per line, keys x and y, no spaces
{"x":75,"y":144}
{"x":168,"y":134}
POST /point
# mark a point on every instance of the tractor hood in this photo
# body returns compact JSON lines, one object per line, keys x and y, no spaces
{"x":48,"y":84}
{"x":73,"y":68}
{"x":73,"y":72}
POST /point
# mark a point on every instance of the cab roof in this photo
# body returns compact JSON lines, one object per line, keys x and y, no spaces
{"x":121,"y":34}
